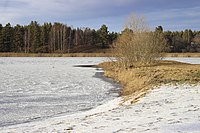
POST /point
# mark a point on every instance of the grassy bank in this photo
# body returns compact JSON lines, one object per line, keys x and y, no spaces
{"x":98,"y":54}
{"x":137,"y":81}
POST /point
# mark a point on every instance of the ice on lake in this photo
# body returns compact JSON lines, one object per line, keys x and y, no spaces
{"x":184,"y":60}
{"x":38,"y":88}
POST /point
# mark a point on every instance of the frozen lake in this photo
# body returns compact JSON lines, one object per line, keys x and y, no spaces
{"x":185,"y":60}
{"x":38,"y":88}
{"x":164,"y":109}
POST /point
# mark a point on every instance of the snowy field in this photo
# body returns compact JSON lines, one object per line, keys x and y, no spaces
{"x":167,"y":109}
{"x":38,"y":88}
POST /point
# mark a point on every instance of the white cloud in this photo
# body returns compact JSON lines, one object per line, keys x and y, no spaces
{"x":175,"y":19}
{"x":54,"y":10}
{"x":95,"y":12}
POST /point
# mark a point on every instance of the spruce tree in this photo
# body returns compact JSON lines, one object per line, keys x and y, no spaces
{"x":1,"y":38}
{"x":35,"y":37}
{"x":18,"y":40}
{"x":188,"y":35}
{"x":45,"y":36}
{"x":7,"y":36}
{"x":103,"y":36}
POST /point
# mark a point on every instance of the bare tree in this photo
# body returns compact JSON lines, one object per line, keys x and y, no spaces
{"x":138,"y":45}
{"x":70,"y":37}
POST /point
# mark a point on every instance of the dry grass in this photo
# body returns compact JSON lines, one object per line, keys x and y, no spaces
{"x":136,"y":81}
{"x":54,"y":55}
{"x":100,"y":54}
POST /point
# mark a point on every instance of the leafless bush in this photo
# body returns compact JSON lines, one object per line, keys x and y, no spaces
{"x":137,"y":45}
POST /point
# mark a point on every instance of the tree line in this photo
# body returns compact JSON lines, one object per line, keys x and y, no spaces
{"x":53,"y":38}
{"x":60,"y":38}
{"x":181,"y":41}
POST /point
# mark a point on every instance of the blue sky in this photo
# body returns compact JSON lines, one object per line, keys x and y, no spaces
{"x":171,"y":14}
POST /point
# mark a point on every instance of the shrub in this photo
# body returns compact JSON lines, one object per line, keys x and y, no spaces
{"x":137,"y":45}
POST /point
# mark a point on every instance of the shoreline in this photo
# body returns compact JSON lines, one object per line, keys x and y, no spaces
{"x":163,"y":113}
{"x":165,"y":105}
{"x":103,"y":54}
{"x":163,"y":72}
{"x":29,"y":126}
{"x":54,"y":55}
{"x":112,"y":93}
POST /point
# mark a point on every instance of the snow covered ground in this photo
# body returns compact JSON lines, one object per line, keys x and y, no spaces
{"x":168,"y":109}
{"x":164,"y":110}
